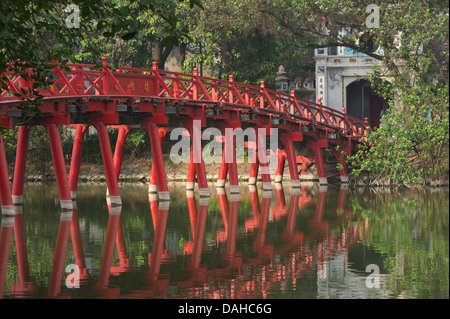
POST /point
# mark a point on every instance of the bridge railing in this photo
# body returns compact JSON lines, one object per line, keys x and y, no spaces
{"x":87,"y":80}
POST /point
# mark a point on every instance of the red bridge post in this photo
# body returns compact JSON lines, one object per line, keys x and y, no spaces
{"x":190,"y":182}
{"x":223,"y":170}
{"x":262,"y":157}
{"x":120,"y":148}
{"x":197,"y":157}
{"x":316,"y":146}
{"x":5,"y":188}
{"x":230,"y":155}
{"x":280,"y":167}
{"x":253,"y":177}
{"x":59,"y":166}
{"x":75,"y":161}
{"x":152,"y":185}
{"x":158,"y":160}
{"x":339,"y":154}
{"x":20,"y":165}
{"x":292,"y":160}
{"x":108,"y":164}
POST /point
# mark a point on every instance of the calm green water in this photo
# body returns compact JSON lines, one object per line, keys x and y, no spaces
{"x":311,"y":243}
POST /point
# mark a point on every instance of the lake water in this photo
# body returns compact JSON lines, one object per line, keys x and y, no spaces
{"x":312,"y":242}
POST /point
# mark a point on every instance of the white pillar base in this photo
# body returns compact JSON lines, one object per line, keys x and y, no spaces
{"x":190,"y":185}
{"x":267,"y":186}
{"x":203,"y":201}
{"x":66,"y":204}
{"x":115,"y":210}
{"x":152,"y":188}
{"x":66,"y":216}
{"x":295,"y":183}
{"x":234,"y":188}
{"x":203,"y":192}
{"x":267,"y":194}
{"x":344,"y":179}
{"x":116,"y":200}
{"x":190,"y":193}
{"x":164,"y":195}
{"x":17,"y":199}
{"x":7,"y":210}
{"x":73,"y":194}
{"x":278,"y":179}
{"x":252,"y":180}
{"x":323,"y":181}
{"x":7,"y":221}
{"x":220,"y":183}
{"x":164,"y":205}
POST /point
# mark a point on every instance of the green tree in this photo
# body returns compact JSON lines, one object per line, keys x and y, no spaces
{"x":413,"y":36}
{"x":33,"y":34}
{"x":235,"y":37}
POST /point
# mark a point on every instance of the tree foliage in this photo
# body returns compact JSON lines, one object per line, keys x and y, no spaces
{"x":34,"y":34}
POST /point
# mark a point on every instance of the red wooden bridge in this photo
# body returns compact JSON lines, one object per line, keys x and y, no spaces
{"x":83,"y":95}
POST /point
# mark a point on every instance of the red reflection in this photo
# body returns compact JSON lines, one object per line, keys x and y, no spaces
{"x":108,"y":250}
{"x":6,"y":231}
{"x":58,"y":266}
{"x":244,"y":270}
{"x":24,"y":287}
{"x":281,"y":210}
{"x":158,"y":251}
{"x":318,"y":226}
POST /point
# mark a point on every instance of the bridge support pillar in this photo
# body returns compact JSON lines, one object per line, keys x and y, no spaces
{"x":292,"y":160}
{"x":262,"y":158}
{"x":339,"y":154}
{"x":5,"y":188}
{"x":230,"y":159}
{"x":259,"y":159}
{"x":197,"y":157}
{"x":223,"y":170}
{"x":252,"y":179}
{"x":75,"y":161}
{"x":119,"y":150}
{"x":152,"y":185}
{"x":20,"y":164}
{"x":190,"y":182}
{"x":108,"y":164}
{"x":280,"y":167}
{"x":316,"y":146}
{"x":59,"y":166}
{"x":158,"y":161}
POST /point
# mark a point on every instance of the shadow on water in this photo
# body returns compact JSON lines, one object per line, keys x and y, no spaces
{"x":308,"y":242}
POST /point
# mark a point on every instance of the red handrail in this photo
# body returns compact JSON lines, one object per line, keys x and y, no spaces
{"x":83,"y":79}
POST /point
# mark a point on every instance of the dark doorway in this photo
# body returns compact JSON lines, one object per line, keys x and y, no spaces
{"x":362,"y":102}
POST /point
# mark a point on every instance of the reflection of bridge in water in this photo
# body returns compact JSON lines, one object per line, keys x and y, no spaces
{"x":266,"y":266}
